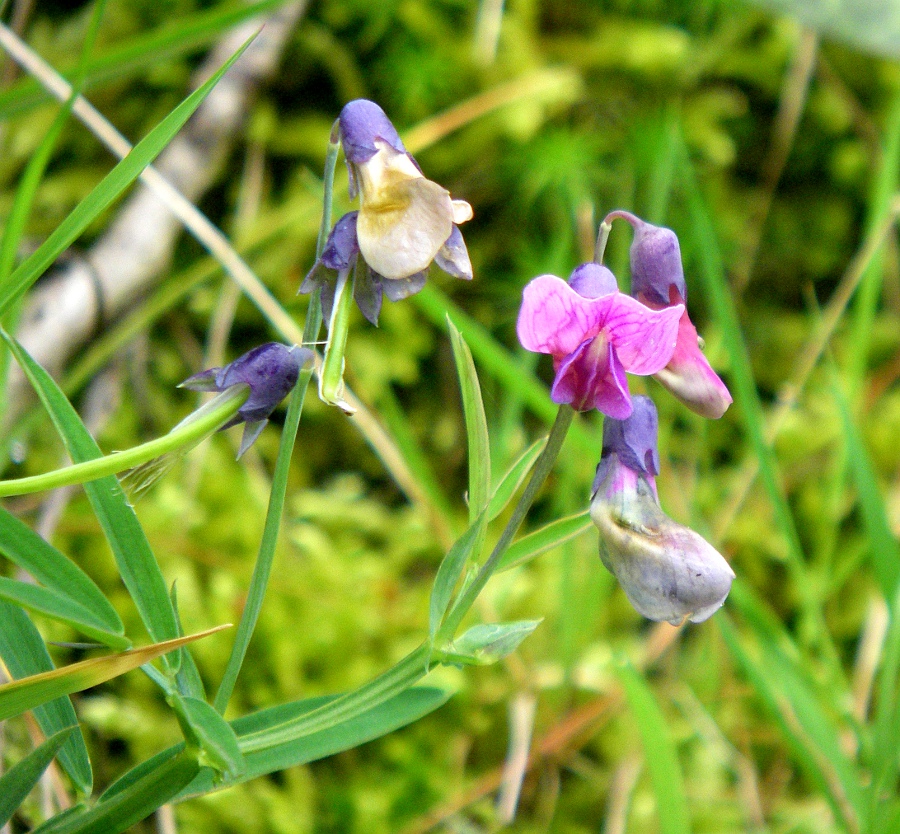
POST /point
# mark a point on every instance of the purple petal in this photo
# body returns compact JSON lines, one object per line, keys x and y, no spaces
{"x":396,"y":289}
{"x":271,"y":371}
{"x":593,"y":280}
{"x":367,"y":294}
{"x":634,"y":440}
{"x":453,"y":256}
{"x":341,"y":248}
{"x":362,"y":122}
{"x":555,"y":319}
{"x":644,"y":339}
{"x":592,"y":377}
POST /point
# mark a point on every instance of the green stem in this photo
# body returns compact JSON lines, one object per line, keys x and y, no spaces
{"x":331,"y":377}
{"x":183,"y":437}
{"x":331,"y":155}
{"x":602,"y":238}
{"x":542,"y":468}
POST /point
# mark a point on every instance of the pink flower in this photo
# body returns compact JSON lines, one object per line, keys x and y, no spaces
{"x":595,"y":340}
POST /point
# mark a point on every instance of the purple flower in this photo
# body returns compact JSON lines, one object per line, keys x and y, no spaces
{"x":667,"y":571}
{"x":657,"y":279}
{"x":404,"y":223}
{"x":594,"y":337}
{"x":270,"y":370}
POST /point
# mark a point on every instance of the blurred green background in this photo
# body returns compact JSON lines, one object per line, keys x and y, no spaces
{"x":772,"y":150}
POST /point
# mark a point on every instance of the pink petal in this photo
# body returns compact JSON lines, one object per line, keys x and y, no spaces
{"x":555,"y":319}
{"x":593,"y":377}
{"x":645,"y":339}
{"x":690,"y":378}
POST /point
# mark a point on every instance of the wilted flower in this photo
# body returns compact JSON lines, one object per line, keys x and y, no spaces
{"x":657,"y":279}
{"x":404,"y":222}
{"x":595,"y":334}
{"x":271,"y":371}
{"x":668,"y":572}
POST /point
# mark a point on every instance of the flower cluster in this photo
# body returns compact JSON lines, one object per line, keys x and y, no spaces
{"x":404,"y":224}
{"x":596,"y":334}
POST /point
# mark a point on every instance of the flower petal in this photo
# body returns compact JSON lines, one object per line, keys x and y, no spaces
{"x":690,"y":377}
{"x":453,"y":257}
{"x":367,"y":294}
{"x":403,"y":226}
{"x":644,"y":339}
{"x":592,"y":377}
{"x":362,"y":122}
{"x":555,"y":319}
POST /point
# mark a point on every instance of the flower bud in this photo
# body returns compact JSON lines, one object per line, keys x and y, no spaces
{"x":668,"y":571}
{"x":592,"y":280}
{"x":270,"y":370}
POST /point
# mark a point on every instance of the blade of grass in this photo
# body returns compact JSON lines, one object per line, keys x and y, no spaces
{"x":659,"y":751}
{"x":107,"y":191}
{"x":813,"y":626}
{"x":24,"y":653}
{"x":134,"y":558}
{"x":18,"y":781}
{"x":26,"y":693}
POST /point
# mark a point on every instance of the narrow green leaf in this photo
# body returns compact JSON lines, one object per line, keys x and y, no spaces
{"x":659,"y":752}
{"x":107,"y":191}
{"x":450,"y":570}
{"x":213,"y":736}
{"x":61,"y":607}
{"x":131,"y":805}
{"x":27,"y":693}
{"x":134,"y":558}
{"x":21,"y":545}
{"x":388,"y":716}
{"x":24,"y":653}
{"x":543,"y":539}
{"x":513,"y":478}
{"x":487,"y":643}
{"x":17,"y":783}
{"x":402,"y":709}
{"x":476,"y":425}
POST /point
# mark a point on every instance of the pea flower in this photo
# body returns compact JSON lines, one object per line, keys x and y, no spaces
{"x":404,"y":223}
{"x":668,"y":571}
{"x":657,"y":279}
{"x":271,"y":371}
{"x":595,"y":334}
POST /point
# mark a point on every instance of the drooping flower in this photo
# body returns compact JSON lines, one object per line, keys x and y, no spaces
{"x":595,"y":334}
{"x":270,"y":370}
{"x":657,"y":279}
{"x":404,"y":223}
{"x":668,"y":571}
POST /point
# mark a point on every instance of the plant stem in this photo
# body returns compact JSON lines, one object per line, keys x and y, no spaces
{"x":542,"y":468}
{"x":187,"y":434}
{"x":331,"y":376}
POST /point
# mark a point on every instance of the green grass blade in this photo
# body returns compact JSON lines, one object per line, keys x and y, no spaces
{"x":24,"y":653}
{"x":21,"y":545}
{"x":546,"y":538}
{"x":131,"y":805}
{"x":476,"y":425}
{"x":59,"y":606}
{"x":450,"y":570}
{"x":35,"y":690}
{"x":17,"y":783}
{"x":513,"y":478}
{"x":108,"y":190}
{"x":659,"y":752}
{"x":809,"y":732}
{"x":141,"y":51}
{"x":134,"y":558}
